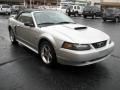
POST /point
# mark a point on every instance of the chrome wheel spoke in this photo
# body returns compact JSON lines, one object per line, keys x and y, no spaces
{"x":46,"y":54}
{"x":45,"y":50}
{"x":50,"y":55}
{"x":48,"y":59}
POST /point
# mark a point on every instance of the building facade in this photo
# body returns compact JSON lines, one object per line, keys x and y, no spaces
{"x":110,"y":3}
{"x":94,"y":2}
{"x":39,"y":2}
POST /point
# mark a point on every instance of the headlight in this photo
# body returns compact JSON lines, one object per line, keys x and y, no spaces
{"x":74,"y":46}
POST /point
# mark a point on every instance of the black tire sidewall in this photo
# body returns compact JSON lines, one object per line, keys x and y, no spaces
{"x":14,"y":39}
{"x":85,"y":16}
{"x":116,"y":19}
{"x":75,"y":14}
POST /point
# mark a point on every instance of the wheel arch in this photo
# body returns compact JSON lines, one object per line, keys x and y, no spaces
{"x":48,"y":38}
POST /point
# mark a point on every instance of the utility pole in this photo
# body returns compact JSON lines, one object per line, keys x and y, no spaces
{"x":30,"y":3}
{"x":24,"y":3}
{"x":57,"y":2}
{"x":33,"y":3}
{"x":44,"y":2}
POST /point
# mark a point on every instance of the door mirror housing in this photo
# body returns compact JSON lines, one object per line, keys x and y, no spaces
{"x":29,"y":24}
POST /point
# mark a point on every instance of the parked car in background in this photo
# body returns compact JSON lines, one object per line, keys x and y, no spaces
{"x":111,"y":14}
{"x":92,"y":11}
{"x":58,"y":39}
{"x":5,"y":9}
{"x":62,"y":8}
{"x":75,"y":10}
{"x":17,"y":8}
{"x":42,"y":7}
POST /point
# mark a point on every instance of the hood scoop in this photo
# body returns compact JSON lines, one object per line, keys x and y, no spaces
{"x":75,"y":26}
{"x":79,"y":28}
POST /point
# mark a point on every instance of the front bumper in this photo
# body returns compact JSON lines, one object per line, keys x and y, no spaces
{"x":88,"y":14}
{"x":108,"y":18}
{"x":5,"y":12}
{"x":81,"y":58}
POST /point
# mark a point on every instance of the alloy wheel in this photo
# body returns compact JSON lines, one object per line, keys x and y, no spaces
{"x":46,"y":54}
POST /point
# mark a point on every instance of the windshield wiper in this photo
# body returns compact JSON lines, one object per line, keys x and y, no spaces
{"x":65,"y":22}
{"x":47,"y":23}
{"x":79,"y":28}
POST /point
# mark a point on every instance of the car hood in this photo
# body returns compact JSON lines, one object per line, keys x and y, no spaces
{"x":77,"y":34}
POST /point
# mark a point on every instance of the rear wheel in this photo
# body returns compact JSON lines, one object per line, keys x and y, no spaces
{"x":104,"y":20}
{"x":47,"y":53}
{"x":12,"y":37}
{"x":116,"y":19}
{"x":79,"y":15}
{"x":69,"y":14}
{"x":93,"y":17}
{"x":75,"y":14}
{"x":85,"y":16}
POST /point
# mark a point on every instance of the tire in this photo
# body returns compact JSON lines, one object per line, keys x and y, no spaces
{"x":93,"y":17}
{"x":9,"y":13}
{"x":47,"y":53}
{"x":85,"y":16}
{"x":12,"y":37}
{"x":104,"y":20}
{"x":79,"y":15}
{"x":75,"y":14}
{"x":69,"y":14}
{"x":116,"y":19}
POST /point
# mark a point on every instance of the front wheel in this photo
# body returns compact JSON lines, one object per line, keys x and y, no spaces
{"x":47,"y":53}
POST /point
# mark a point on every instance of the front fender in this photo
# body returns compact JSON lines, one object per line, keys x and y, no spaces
{"x":48,"y":37}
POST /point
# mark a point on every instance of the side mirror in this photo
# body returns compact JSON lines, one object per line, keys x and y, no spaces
{"x":29,"y":24}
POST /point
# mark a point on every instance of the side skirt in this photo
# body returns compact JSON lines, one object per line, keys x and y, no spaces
{"x":28,"y":46}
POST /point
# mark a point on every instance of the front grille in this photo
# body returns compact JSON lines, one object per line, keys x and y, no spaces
{"x":99,"y":44}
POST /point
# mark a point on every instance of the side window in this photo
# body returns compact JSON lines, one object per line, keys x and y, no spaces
{"x":78,"y":7}
{"x":25,"y":18}
{"x":74,"y":7}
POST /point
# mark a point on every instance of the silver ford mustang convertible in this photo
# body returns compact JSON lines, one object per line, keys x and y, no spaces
{"x":58,"y":39}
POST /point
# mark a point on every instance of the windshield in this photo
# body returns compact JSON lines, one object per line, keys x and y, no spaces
{"x":51,"y":18}
{"x":109,"y":11}
{"x":63,"y":7}
{"x":112,"y":11}
{"x":87,"y":8}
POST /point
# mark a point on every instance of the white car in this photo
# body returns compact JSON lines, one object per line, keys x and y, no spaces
{"x":75,"y":10}
{"x":58,"y":39}
{"x":5,"y":9}
{"x":61,"y":9}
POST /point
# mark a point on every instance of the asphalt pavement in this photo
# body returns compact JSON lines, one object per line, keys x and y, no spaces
{"x":21,"y":69}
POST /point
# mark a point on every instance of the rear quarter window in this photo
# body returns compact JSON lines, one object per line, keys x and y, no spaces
{"x":75,"y":7}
